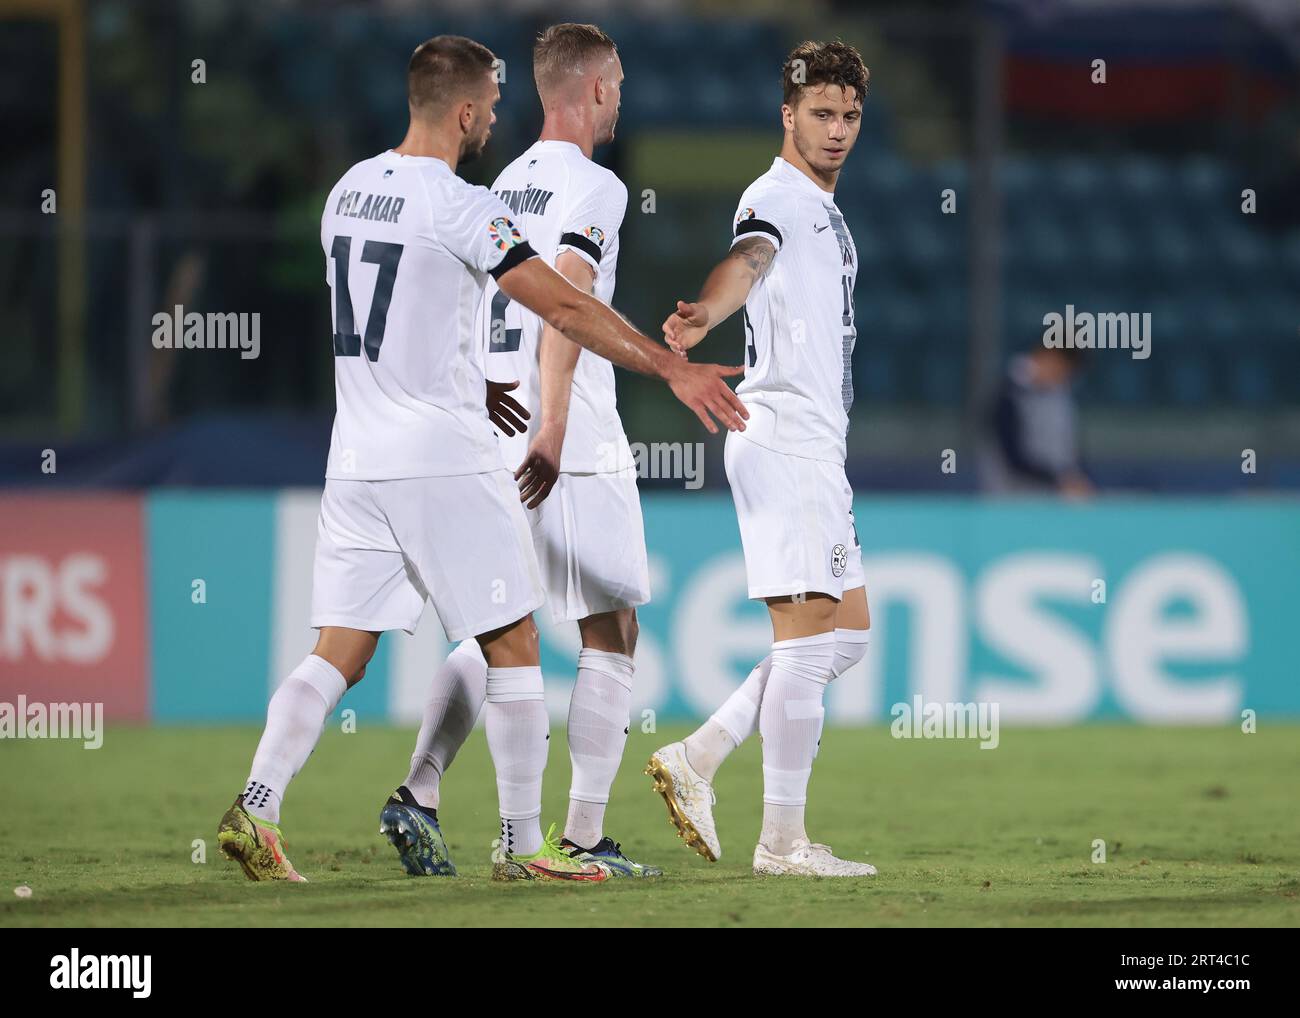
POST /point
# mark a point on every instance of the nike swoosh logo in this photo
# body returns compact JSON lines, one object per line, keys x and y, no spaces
{"x":818,"y":229}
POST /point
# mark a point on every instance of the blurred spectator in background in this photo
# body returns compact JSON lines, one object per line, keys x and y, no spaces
{"x":1033,"y":442}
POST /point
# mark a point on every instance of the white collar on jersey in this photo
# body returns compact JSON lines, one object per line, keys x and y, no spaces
{"x":801,"y":179}
{"x":397,"y":159}
{"x":557,"y":143}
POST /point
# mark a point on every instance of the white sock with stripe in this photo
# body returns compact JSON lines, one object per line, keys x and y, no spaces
{"x":295,"y":718}
{"x":517,"y":735}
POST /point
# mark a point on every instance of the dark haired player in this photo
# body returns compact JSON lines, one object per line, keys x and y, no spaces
{"x":791,"y":267}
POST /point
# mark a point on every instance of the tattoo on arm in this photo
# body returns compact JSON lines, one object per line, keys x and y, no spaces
{"x":756,"y":254}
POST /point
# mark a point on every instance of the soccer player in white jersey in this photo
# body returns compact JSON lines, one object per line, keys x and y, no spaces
{"x":418,"y":504}
{"x":792,"y":267}
{"x":589,"y":535}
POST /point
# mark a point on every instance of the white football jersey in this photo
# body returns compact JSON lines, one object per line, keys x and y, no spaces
{"x":798,"y":319}
{"x":408,"y":248}
{"x":563,"y":202}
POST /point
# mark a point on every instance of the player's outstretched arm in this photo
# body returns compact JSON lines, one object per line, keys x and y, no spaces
{"x":724,"y":293}
{"x":598,"y":327}
{"x":557,"y":357}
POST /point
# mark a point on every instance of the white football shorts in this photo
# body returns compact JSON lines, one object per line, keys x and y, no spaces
{"x":462,"y":541}
{"x":796,"y":522}
{"x":590,"y":542}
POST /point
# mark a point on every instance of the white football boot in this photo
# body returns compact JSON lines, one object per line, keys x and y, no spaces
{"x":689,"y":797}
{"x":808,"y":860}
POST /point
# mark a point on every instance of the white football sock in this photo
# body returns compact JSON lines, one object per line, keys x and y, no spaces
{"x":781,"y":826}
{"x":294,"y":721}
{"x":599,"y":714}
{"x":455,"y":698}
{"x":738,"y":715}
{"x":517,"y":734}
{"x":737,"y":719}
{"x":585,"y":824}
{"x":707,"y":747}
{"x":790,"y":721}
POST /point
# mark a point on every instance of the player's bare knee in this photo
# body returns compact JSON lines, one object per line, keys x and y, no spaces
{"x":524,"y":637}
{"x":625,"y":633}
{"x":512,"y":646}
{"x":348,"y":650}
{"x":352,"y":670}
{"x":852,"y":630}
{"x":613,"y":632}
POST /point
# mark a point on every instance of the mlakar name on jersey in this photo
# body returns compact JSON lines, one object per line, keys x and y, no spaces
{"x":381,"y":208}
{"x":533,"y":200}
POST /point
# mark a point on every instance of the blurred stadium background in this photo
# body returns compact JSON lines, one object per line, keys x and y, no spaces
{"x":130,"y":474}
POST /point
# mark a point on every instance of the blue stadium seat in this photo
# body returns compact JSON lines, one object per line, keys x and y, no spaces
{"x":1077,"y":181}
{"x":1048,"y":243}
{"x":1251,"y":380}
{"x":875,"y":375}
{"x":922,"y":243}
{"x":1123,"y":380}
{"x":1169,"y":322}
{"x":1021,"y":176}
{"x":1288,"y":253}
{"x":903,"y":320}
{"x":1108,"y":245}
{"x":1206,"y":181}
{"x":1241,"y":251}
{"x":1172,"y":248}
{"x":942,"y":381}
{"x":1142,"y":178}
{"x":1190,"y":379}
{"x":1214,"y":319}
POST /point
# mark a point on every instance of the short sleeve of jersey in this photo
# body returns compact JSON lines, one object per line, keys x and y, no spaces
{"x":766,"y":212}
{"x":477,"y":229}
{"x":592,"y":223}
{"x":330,"y":202}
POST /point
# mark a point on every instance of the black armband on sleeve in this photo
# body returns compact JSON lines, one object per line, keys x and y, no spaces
{"x":584,"y":244}
{"x":518,"y":253}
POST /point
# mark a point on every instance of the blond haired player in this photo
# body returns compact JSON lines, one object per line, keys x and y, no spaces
{"x":576,"y":473}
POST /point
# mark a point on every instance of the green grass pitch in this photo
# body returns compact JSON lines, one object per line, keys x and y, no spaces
{"x":1200,"y":826}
